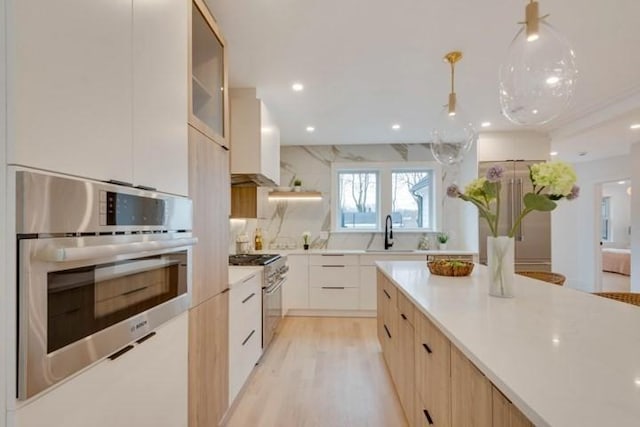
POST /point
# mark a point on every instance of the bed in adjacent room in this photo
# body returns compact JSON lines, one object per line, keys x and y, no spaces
{"x":616,"y":260}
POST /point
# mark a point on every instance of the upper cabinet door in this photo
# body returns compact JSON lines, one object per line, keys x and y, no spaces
{"x":209,"y":106}
{"x":160,"y":75}
{"x":69,"y":86}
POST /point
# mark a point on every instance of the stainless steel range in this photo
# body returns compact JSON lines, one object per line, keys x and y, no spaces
{"x":274,"y":276}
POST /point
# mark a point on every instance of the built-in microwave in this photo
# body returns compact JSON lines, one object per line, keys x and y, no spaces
{"x":99,"y":266}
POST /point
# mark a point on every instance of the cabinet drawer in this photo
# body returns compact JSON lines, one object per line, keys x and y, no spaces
{"x":244,"y":292}
{"x":334,"y":298}
{"x":371,"y":259}
{"x":406,"y":309}
{"x":388,"y":292}
{"x":333,"y":259}
{"x":345,"y":275}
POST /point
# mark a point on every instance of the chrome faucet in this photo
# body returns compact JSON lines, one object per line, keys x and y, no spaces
{"x":388,"y":232}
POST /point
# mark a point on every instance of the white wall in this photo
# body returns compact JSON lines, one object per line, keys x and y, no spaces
{"x":620,"y":214}
{"x":635,"y":218}
{"x":3,"y":209}
{"x":521,"y":145}
{"x":574,"y":232}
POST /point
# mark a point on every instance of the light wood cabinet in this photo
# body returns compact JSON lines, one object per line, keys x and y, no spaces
{"x":160,"y":95}
{"x":209,"y":99}
{"x":471,"y":400}
{"x":209,"y":361}
{"x":209,"y":190}
{"x":436,"y":384}
{"x":433,"y":374}
{"x":249,"y":202}
{"x":505,"y":414}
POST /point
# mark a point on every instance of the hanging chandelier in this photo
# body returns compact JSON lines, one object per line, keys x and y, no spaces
{"x":538,"y":77}
{"x":453,"y":134}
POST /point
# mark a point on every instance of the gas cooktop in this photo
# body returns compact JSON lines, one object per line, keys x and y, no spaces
{"x":252,"y":259}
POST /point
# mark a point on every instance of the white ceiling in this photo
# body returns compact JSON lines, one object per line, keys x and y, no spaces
{"x":367,"y":64}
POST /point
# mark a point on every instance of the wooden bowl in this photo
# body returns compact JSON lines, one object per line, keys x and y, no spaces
{"x":453,"y":268}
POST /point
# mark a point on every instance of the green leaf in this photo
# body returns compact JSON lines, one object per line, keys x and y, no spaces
{"x":490,"y":189}
{"x":539,"y":202}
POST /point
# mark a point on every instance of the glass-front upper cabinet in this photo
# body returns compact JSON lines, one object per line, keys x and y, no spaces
{"x":208,"y":109}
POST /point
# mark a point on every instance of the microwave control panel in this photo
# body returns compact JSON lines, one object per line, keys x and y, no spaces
{"x":128,"y":209}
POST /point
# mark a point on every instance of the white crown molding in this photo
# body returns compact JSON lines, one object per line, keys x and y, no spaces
{"x":597,"y":115}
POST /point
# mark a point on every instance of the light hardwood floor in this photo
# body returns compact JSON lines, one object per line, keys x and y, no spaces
{"x":320,"y":372}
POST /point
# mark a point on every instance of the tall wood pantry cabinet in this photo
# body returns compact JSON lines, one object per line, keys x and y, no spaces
{"x":209,"y":188}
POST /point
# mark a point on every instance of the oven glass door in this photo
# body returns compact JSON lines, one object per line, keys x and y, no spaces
{"x":82,"y":301}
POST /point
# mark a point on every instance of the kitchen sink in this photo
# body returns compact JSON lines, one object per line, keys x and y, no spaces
{"x":392,"y":251}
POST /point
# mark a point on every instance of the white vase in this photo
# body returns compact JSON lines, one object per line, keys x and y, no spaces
{"x":500,"y":260}
{"x":297,"y":188}
{"x":443,"y":246}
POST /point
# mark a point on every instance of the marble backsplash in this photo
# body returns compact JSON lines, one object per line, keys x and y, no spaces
{"x":287,"y":220}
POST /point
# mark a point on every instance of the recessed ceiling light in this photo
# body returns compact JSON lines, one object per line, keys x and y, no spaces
{"x":635,"y":126}
{"x":485,"y":124}
{"x":395,"y":126}
{"x":552,"y":80}
{"x":310,"y":129}
{"x":534,"y":111}
{"x":621,"y":182}
{"x":553,"y":153}
{"x":297,"y":87}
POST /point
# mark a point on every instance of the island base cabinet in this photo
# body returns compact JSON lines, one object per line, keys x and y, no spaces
{"x":433,"y":374}
{"x":471,"y":401}
{"x":505,"y":414}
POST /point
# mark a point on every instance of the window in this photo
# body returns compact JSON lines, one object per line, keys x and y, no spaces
{"x":358,"y":200}
{"x":365,"y":193}
{"x":606,"y":219}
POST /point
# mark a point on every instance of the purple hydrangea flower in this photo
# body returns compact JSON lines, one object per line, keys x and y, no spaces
{"x":494,"y":173}
{"x":575,"y":192}
{"x":453,"y":190}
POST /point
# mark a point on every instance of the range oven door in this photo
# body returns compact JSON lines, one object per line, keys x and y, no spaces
{"x":271,"y":311}
{"x":83,"y":298}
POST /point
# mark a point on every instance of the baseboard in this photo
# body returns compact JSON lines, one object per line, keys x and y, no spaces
{"x":331,"y":313}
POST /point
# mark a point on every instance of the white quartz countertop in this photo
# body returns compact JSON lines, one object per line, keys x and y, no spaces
{"x":564,"y":357}
{"x":237,"y":274}
{"x":367,"y":252}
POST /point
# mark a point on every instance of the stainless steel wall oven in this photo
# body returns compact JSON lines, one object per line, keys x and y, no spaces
{"x":99,"y":266}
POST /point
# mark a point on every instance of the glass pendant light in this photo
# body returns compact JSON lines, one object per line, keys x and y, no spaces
{"x":538,"y":78}
{"x":453,"y":134}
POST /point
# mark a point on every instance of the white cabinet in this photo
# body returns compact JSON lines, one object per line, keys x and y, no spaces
{"x":255,"y":138}
{"x":334,"y":282}
{"x":70,"y":68}
{"x":146,"y":386}
{"x":245,"y":330}
{"x":160,"y":55}
{"x":295,"y":292}
{"x":98,"y":89}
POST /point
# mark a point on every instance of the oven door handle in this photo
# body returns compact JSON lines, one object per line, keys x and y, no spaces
{"x":60,"y":254}
{"x":273,"y":289}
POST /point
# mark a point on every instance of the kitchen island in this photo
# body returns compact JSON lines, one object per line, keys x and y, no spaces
{"x":562,"y":357}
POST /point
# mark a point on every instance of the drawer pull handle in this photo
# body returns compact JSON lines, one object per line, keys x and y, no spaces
{"x":426,"y":347}
{"x":428,"y":416}
{"x":248,"y":278}
{"x":387,"y":330}
{"x":332,"y":266}
{"x":332,"y":255}
{"x":403,"y":316}
{"x":333,"y":287}
{"x":133,"y":291}
{"x":386,"y":293}
{"x":249,"y":337}
{"x":249,"y":297}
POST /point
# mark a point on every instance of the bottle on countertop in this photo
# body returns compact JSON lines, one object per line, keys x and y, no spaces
{"x":258,"y":240}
